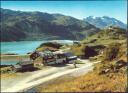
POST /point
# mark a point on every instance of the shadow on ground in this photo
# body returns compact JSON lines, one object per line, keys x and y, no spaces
{"x":59,"y":65}
{"x":28,"y":70}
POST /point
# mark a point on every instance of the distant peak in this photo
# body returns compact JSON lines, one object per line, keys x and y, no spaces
{"x":106,"y":17}
{"x":91,"y":17}
{"x":105,"y":21}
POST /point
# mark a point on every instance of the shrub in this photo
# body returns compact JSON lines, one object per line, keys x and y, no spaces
{"x":93,"y":40}
{"x":6,"y":69}
{"x":89,"y":52}
{"x":78,"y":50}
{"x":111,"y":52}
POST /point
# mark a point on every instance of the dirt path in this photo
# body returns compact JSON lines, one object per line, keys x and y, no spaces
{"x":38,"y":77}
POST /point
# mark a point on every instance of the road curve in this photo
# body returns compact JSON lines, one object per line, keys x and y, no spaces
{"x":43,"y":76}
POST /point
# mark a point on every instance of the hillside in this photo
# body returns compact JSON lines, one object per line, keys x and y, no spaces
{"x":106,"y":36}
{"x":19,"y":25}
{"x":96,"y":44}
{"x":105,"y":21}
{"x":109,"y":75}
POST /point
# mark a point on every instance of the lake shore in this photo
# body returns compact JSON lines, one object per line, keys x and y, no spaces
{"x":8,"y":56}
{"x":12,"y":59}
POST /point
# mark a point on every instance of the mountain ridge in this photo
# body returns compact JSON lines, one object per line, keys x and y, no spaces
{"x":42,"y":26}
{"x":105,"y":21}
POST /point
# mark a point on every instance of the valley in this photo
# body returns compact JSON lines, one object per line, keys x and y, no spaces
{"x":103,"y":56}
{"x":63,"y":46}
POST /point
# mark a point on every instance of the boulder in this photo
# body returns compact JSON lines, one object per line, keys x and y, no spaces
{"x":111,"y":52}
{"x":119,"y":64}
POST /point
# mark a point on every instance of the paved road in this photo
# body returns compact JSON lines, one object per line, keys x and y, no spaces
{"x":33,"y":79}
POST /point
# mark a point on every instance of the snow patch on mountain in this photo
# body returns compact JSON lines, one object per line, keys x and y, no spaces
{"x":105,"y":21}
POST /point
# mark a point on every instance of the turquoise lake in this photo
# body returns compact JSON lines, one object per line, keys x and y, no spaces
{"x":23,"y":47}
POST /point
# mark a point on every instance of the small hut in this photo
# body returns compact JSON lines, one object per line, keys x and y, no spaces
{"x":26,"y":65}
{"x":70,"y":57}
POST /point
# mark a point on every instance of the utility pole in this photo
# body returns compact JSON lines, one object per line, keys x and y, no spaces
{"x":75,"y":38}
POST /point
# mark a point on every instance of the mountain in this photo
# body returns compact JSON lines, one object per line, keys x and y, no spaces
{"x":105,"y":21}
{"x":19,"y":25}
{"x":107,"y":36}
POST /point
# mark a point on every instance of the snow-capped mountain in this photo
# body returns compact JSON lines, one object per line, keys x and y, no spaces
{"x":105,"y":21}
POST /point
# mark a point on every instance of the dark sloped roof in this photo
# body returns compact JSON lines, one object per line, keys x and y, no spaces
{"x":25,"y":63}
{"x":68,"y":54}
{"x":46,"y":53}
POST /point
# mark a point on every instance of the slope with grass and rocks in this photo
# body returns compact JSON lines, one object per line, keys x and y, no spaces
{"x":110,"y":75}
{"x":50,"y":45}
{"x":95,"y":44}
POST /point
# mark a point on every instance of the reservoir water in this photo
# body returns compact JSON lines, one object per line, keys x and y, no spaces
{"x":23,"y":47}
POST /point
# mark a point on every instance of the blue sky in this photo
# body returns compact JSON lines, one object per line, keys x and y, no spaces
{"x":77,"y":9}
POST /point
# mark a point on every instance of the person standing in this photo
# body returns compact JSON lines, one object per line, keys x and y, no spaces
{"x":74,"y":63}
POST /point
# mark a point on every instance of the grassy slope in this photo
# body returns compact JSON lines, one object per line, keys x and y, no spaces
{"x":93,"y":81}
